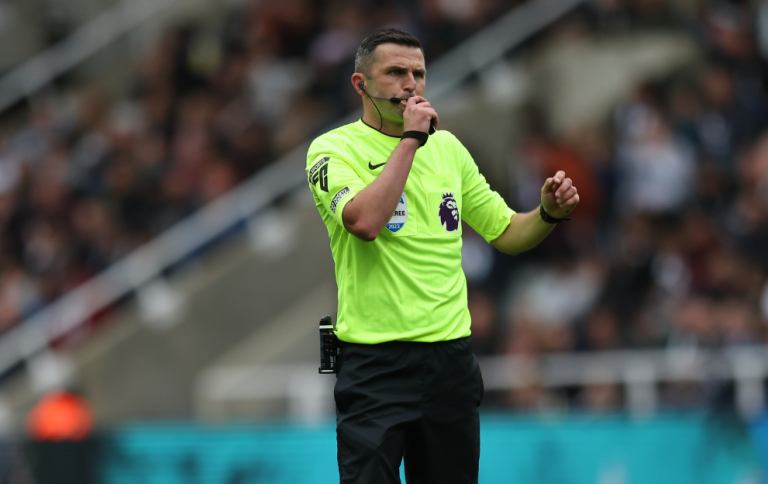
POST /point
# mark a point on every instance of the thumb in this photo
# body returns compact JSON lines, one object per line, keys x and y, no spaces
{"x":548,"y":184}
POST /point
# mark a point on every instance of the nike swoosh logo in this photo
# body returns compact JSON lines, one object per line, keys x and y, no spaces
{"x":373,"y":167}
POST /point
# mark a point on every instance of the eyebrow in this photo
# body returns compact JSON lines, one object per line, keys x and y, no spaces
{"x":404,"y":68}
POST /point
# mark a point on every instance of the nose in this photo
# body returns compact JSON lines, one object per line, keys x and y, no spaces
{"x":410,"y":83}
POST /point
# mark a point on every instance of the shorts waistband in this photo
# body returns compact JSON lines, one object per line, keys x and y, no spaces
{"x":407,"y":344}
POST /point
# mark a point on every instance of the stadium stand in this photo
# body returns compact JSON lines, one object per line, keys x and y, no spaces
{"x":653,"y":299}
{"x":124,"y":146}
{"x":86,"y":180}
{"x":671,"y":250}
{"x":667,"y":250}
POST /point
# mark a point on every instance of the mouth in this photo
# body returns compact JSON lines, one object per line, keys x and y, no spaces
{"x":405,"y":99}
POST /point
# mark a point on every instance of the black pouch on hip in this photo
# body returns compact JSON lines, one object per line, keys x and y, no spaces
{"x":329,"y":347}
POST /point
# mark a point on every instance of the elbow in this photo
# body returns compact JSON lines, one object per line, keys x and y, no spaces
{"x":360,"y":224}
{"x":516,"y":250}
{"x":505,"y":249}
{"x":510,"y":251}
{"x":367,"y":236}
{"x":362,"y":232}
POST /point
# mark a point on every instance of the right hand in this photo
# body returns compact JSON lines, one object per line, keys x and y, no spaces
{"x":418,"y":115}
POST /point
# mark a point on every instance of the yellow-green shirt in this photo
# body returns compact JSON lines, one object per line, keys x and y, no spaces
{"x":408,"y":284}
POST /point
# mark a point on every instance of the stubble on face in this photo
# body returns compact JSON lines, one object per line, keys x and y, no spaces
{"x":397,"y":71}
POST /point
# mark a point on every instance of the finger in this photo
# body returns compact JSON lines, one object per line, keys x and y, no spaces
{"x":435,"y":120}
{"x":547,"y":186}
{"x":572,"y":202}
{"x":567,"y":195}
{"x":553,"y":183}
{"x":564,"y":187}
{"x":424,"y":107}
{"x":558,"y":179}
{"x":416,"y":100}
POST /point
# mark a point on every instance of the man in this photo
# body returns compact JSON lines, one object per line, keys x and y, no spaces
{"x":392,"y":198}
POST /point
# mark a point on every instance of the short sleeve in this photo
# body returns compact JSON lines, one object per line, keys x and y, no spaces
{"x":483,"y":209}
{"x":332,"y":179}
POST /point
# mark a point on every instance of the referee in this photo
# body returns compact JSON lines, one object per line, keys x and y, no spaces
{"x":393,"y":198}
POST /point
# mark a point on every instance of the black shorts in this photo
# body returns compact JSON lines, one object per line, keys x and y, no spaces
{"x":411,"y":401}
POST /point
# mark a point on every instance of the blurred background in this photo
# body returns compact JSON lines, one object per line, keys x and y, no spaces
{"x":163,"y":267}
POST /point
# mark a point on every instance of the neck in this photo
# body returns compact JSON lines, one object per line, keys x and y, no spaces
{"x":371,"y":118}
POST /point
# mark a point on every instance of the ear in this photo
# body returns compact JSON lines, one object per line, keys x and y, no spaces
{"x":357,"y":79}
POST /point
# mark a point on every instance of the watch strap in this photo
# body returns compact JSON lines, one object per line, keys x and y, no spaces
{"x":419,"y":135}
{"x":550,"y":219}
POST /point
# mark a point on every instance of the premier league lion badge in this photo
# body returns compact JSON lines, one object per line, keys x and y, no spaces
{"x":449,"y":213}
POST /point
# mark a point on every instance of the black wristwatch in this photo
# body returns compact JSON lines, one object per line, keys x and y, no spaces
{"x":419,"y":135}
{"x":550,"y":219}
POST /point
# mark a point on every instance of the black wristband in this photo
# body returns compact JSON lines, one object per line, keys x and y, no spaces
{"x":419,"y":135}
{"x":550,"y":219}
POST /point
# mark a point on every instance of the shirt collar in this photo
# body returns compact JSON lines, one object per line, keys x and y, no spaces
{"x":368,"y":126}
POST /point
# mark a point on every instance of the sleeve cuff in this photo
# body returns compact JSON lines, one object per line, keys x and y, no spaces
{"x":339,"y":201}
{"x":503,"y":223}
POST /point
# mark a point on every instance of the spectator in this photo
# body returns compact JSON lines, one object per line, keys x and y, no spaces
{"x":656,"y":170}
{"x":485,"y":325}
{"x":60,"y":426}
{"x":675,"y":186}
{"x":60,"y":415}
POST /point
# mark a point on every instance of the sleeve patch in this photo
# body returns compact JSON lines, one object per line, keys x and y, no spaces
{"x":317,"y":165}
{"x":344,"y":191}
{"x":319,"y":173}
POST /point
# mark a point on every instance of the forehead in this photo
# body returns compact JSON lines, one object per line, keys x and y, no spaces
{"x":395,"y":54}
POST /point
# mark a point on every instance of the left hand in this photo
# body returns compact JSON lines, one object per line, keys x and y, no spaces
{"x":559,"y":196}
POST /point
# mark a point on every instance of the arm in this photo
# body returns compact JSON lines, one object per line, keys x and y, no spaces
{"x":366,"y":214}
{"x":558,"y":196}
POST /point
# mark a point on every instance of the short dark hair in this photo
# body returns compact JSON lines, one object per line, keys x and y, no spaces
{"x":364,"y":58}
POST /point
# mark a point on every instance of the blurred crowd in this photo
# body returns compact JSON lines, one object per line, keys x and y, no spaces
{"x":669,"y":247}
{"x":85,"y":179}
